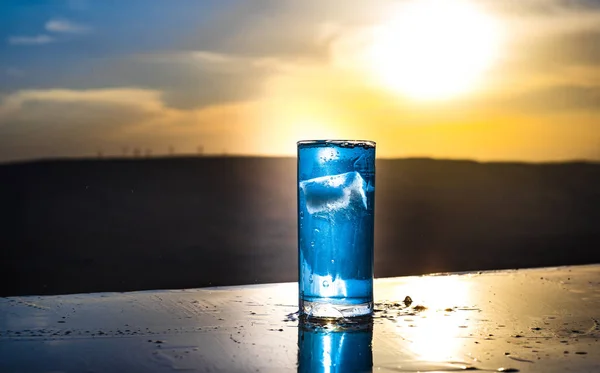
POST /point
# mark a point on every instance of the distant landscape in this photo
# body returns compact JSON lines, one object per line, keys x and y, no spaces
{"x":70,"y":226}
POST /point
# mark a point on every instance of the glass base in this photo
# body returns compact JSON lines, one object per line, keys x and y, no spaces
{"x":328,"y":308}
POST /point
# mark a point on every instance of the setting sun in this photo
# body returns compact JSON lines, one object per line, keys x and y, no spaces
{"x":434,"y":49}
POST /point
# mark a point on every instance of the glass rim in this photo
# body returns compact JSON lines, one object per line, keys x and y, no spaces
{"x":352,"y":143}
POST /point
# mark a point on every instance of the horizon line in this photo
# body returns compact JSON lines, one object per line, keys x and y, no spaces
{"x":188,"y":156}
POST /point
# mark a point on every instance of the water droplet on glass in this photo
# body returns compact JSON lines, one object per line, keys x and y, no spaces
{"x":312,"y":243}
{"x":317,"y":231}
{"x":332,"y":261}
{"x":325,"y":284}
{"x":310,"y":278}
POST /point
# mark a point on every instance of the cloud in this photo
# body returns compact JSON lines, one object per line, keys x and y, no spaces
{"x":187,"y":79}
{"x":60,"y":122}
{"x":15,"y":103}
{"x":66,"y":122}
{"x":212,"y":57}
{"x":40,"y":39}
{"x":234,"y":53}
{"x":284,"y":29}
{"x":545,"y":43}
{"x":55,"y":26}
{"x":551,"y":56}
{"x":65,"y":26}
{"x":578,"y":47}
{"x":225,"y":58}
{"x":557,"y":98}
{"x":543,"y":7}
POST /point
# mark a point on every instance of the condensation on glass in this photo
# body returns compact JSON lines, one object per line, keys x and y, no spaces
{"x":336,"y":198}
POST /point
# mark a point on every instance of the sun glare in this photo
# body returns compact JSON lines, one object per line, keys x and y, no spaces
{"x":434,"y":49}
{"x":437,"y":336}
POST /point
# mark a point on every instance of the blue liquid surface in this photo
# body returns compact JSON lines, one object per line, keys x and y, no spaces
{"x":336,"y":186}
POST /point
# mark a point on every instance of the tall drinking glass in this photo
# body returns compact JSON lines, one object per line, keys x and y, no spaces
{"x":336,"y":190}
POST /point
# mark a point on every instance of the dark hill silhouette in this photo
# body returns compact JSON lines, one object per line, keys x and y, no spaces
{"x":120,"y":224}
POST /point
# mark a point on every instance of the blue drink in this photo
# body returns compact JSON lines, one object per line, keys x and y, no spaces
{"x":324,"y":350}
{"x":336,"y":187}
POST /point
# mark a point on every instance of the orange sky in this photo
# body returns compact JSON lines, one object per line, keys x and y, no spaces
{"x":477,"y":80}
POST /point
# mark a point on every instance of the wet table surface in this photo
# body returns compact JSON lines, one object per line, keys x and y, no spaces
{"x":533,"y":320}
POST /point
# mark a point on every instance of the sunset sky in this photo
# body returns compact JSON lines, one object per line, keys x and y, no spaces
{"x":483,"y":80}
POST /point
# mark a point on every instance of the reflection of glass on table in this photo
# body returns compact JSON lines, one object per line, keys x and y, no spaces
{"x":325,"y":348}
{"x":336,"y":187}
